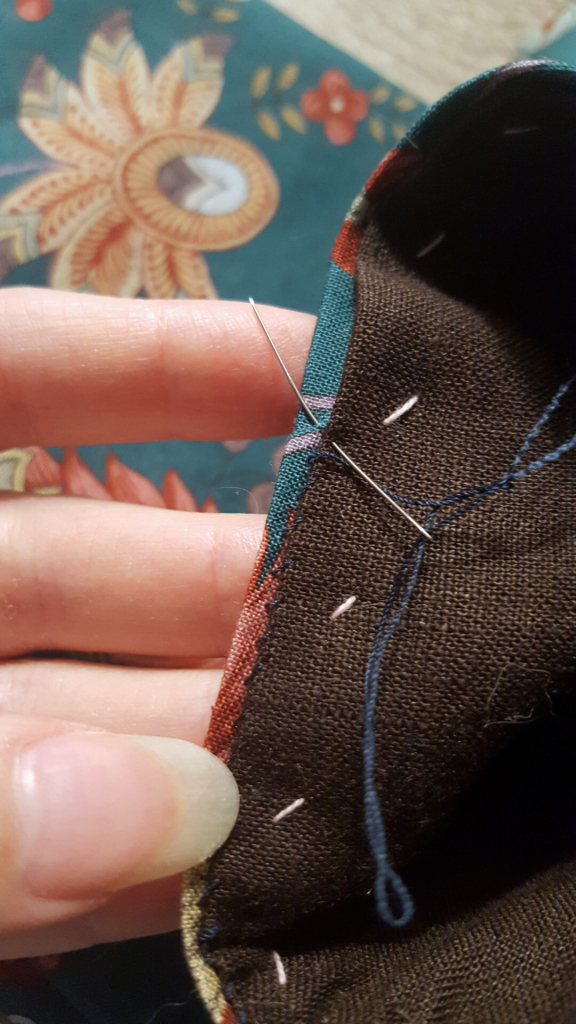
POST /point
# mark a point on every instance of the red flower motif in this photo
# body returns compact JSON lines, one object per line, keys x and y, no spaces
{"x":33,"y":10}
{"x":336,"y":104}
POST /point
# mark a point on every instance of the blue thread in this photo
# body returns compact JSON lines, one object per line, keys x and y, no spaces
{"x":511,"y":475}
{"x":208,"y":890}
{"x":283,"y":565}
{"x":485,"y":493}
{"x":228,"y":991}
{"x":546,"y":459}
{"x":295,"y":523}
{"x":553,"y":405}
{"x":393,"y":900}
{"x":208,"y":933}
{"x":388,"y":885}
{"x":309,"y":483}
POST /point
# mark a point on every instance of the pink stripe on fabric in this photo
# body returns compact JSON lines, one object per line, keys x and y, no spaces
{"x":303,"y":441}
{"x":316,"y":402}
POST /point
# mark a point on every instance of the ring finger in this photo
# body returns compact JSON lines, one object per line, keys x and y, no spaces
{"x":77,"y":575}
{"x":141,"y":701}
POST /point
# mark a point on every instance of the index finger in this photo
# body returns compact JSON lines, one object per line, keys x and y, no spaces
{"x":89,"y":369}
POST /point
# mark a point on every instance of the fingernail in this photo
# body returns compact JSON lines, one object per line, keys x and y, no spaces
{"x":98,"y":812}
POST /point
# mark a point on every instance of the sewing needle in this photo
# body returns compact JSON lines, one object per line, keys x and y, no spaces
{"x":315,"y":422}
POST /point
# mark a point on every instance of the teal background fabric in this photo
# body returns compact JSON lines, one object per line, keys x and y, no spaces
{"x":562,"y":50}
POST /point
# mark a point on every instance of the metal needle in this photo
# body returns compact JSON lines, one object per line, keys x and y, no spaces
{"x":305,"y":407}
{"x":377,"y":487}
{"x":312,"y":419}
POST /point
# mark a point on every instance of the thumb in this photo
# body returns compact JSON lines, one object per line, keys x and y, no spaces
{"x":84,"y":814}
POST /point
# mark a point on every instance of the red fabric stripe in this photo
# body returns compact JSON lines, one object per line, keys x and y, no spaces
{"x":346,"y":246}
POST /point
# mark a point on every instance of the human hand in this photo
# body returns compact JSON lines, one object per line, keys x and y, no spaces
{"x":96,"y":826}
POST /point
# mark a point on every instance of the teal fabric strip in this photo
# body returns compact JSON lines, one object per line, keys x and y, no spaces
{"x":322,"y":377}
{"x":326,"y":360}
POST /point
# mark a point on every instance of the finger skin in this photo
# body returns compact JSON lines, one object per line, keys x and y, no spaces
{"x":85,"y":813}
{"x":151,"y":702}
{"x":86,"y":575}
{"x":165,"y":661}
{"x":147,"y":909}
{"x":20,"y":909}
{"x":87,"y":369}
{"x":146,"y":702}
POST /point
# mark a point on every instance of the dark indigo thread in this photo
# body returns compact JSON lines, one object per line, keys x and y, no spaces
{"x":208,"y":933}
{"x":553,"y":405}
{"x":393,"y":900}
{"x":209,"y":889}
{"x":388,"y":886}
{"x":260,"y":643}
{"x":294,"y":524}
{"x":309,"y":483}
{"x":511,"y":476}
{"x":279,"y":568}
{"x":547,"y":459}
{"x":228,"y":990}
{"x":391,"y":494}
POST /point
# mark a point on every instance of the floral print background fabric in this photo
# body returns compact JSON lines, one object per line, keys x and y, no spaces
{"x":260,"y":135}
{"x":169,"y":148}
{"x":177,"y":149}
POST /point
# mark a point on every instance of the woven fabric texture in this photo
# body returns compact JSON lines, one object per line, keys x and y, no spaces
{"x":469,"y":636}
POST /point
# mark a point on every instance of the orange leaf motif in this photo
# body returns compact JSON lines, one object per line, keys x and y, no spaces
{"x":78,"y":478}
{"x":128,"y":485}
{"x":209,"y":505}
{"x":177,"y":495}
{"x":43,"y":470}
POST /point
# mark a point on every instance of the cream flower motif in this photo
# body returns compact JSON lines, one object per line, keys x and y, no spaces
{"x":141,"y":188}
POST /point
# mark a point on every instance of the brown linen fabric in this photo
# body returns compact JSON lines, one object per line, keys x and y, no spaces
{"x":488,"y":636}
{"x":476,"y":759}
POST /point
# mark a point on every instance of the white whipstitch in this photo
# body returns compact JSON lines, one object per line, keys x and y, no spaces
{"x":280,"y":970}
{"x":432,"y":245}
{"x":288,"y":810}
{"x":342,"y":608}
{"x":405,"y":407}
{"x":521,"y":131}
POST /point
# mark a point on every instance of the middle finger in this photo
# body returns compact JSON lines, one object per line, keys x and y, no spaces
{"x":142,"y":701}
{"x":85,"y":575}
